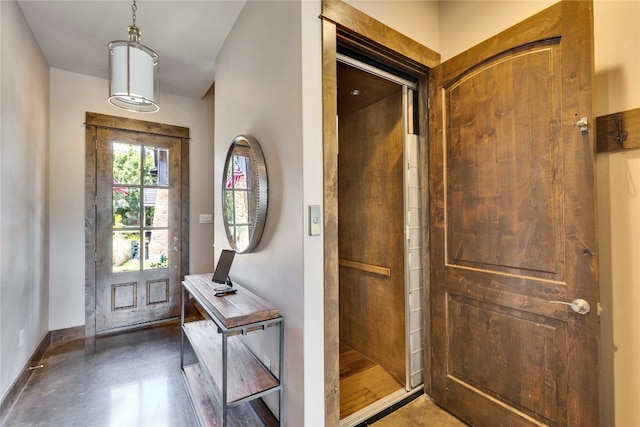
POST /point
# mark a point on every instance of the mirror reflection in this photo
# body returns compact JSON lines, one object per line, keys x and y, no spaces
{"x":244,"y":194}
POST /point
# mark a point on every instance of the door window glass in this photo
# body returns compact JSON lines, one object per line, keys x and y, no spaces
{"x":140,"y":200}
{"x":156,"y":169}
{"x":126,"y":251}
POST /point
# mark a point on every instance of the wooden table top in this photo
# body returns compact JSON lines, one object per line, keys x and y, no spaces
{"x":241,"y":308}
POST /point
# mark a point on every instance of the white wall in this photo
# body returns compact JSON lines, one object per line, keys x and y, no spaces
{"x":617,"y":53}
{"x":312,"y":178}
{"x":71,"y":96}
{"x":465,"y":23}
{"x":268,"y":85}
{"x":417,"y":20}
{"x":24,"y":150}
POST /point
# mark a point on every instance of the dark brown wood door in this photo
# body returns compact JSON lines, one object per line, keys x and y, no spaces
{"x":138,"y":234}
{"x":513,"y":230}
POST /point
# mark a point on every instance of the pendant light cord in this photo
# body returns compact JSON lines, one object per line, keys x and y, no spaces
{"x":134,"y":7}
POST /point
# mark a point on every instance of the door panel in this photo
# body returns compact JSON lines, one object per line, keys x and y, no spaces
{"x":507,"y":352}
{"x":512,"y":216}
{"x":502,"y":188}
{"x":138,"y":250}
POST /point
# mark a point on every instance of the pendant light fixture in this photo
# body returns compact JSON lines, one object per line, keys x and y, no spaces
{"x":133,"y":73}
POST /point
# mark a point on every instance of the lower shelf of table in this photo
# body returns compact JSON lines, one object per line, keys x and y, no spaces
{"x":209,"y":411}
{"x":246,"y":376}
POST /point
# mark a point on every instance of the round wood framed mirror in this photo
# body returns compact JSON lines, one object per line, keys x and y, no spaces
{"x":244,"y":194}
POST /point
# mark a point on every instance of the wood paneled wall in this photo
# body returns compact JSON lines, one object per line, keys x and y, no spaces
{"x":370,"y":230}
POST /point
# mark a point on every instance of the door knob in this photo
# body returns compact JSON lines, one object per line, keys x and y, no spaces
{"x":580,"y":306}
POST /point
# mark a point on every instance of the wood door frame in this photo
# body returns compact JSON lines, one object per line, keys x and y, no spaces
{"x":94,"y":121}
{"x":346,"y":26}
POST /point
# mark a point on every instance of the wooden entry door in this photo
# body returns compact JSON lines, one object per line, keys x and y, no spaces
{"x":512,"y":217}
{"x":138,"y":228}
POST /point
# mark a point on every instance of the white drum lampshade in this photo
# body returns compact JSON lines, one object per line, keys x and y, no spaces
{"x":133,"y":74}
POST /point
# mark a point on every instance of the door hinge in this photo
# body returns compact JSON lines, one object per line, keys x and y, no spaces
{"x":429,"y":102}
{"x":95,"y":256}
{"x":599,"y":309}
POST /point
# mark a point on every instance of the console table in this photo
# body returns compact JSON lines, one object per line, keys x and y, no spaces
{"x":221,"y":373}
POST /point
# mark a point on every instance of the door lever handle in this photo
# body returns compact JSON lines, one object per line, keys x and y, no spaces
{"x":580,"y":306}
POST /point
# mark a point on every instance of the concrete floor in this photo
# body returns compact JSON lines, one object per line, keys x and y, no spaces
{"x":133,"y":379}
{"x":420,"y":412}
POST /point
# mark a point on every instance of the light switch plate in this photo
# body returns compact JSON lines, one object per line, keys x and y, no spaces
{"x":206,"y":218}
{"x":315,"y":220}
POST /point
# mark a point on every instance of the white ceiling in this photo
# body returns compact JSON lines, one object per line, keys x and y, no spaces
{"x":186,"y":35}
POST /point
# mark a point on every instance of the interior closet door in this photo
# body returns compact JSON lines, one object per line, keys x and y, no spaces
{"x":513,"y":226}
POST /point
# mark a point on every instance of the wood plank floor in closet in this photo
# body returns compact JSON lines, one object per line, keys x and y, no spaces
{"x":362,"y":381}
